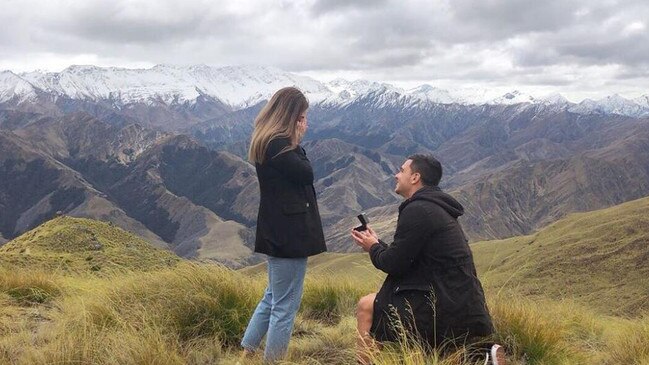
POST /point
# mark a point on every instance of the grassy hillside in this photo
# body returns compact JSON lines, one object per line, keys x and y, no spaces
{"x":596,"y":258}
{"x":195,"y":314}
{"x":70,"y":244}
{"x":177,"y":312}
{"x":349,"y":265}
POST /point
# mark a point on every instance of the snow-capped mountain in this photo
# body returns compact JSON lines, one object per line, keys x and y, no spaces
{"x":239,"y":87}
{"x":344,"y":92}
{"x":616,"y":104}
{"x":642,"y":101}
{"x":352,"y":89}
{"x":612,"y":104}
{"x":13,"y":86}
{"x":511,"y":98}
{"x":553,"y":99}
{"x":433,"y":94}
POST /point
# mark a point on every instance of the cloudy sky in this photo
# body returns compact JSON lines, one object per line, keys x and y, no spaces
{"x":581,"y":48}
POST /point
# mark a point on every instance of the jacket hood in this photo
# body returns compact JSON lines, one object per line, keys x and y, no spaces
{"x":436,"y":195}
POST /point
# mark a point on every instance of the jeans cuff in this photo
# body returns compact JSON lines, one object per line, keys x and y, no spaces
{"x":248,"y":347}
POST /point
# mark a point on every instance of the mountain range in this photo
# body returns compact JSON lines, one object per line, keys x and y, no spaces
{"x":161,"y":152}
{"x":241,"y":87}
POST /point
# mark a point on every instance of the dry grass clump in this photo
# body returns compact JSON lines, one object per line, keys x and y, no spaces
{"x":164,"y":317}
{"x":528,"y":332}
{"x":329,"y":298}
{"x":29,"y":287}
{"x":628,"y":343}
{"x":325,"y":344}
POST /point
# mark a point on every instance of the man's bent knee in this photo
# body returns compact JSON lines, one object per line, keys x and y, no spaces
{"x":366,"y":305}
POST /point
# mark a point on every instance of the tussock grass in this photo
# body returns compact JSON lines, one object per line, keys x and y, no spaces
{"x":629,"y":344}
{"x":162,"y":317}
{"x":29,"y":287}
{"x":329,"y":298}
{"x":13,"y":345}
{"x":325,"y":344}
{"x":196,"y":314}
{"x":531,"y":332}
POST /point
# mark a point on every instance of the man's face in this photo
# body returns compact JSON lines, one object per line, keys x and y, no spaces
{"x":404,"y":179}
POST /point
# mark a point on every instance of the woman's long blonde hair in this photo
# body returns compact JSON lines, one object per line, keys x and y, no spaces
{"x":278,"y":119}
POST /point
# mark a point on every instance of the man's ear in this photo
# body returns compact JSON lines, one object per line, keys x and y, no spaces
{"x":415,"y":178}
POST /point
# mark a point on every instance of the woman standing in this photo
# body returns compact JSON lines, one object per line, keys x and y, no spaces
{"x":288,"y":223}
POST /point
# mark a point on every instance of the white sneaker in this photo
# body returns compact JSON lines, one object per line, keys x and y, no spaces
{"x":498,"y":355}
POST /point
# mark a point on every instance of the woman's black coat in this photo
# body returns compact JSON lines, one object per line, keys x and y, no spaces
{"x":431,"y":275}
{"x":288,"y":223}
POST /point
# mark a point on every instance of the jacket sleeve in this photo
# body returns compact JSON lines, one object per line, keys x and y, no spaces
{"x":292,"y":164}
{"x":409,"y":239}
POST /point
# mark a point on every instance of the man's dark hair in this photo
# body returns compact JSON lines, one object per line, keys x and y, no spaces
{"x":428,"y":168}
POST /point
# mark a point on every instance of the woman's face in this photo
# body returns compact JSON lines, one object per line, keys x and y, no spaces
{"x":302,"y":117}
{"x":301,"y":126}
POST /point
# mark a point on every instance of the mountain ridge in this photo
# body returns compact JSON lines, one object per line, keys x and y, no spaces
{"x":180,"y":170}
{"x":99,"y":179}
{"x":239,"y":87}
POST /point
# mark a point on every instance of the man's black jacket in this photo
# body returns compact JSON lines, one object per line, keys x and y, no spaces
{"x":288,"y":222}
{"x":429,"y":262}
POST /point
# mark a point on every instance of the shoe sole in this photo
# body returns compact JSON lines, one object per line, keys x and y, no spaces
{"x":498,"y":355}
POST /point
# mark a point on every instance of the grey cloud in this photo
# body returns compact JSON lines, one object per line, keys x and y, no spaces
{"x":321,"y":7}
{"x":535,"y":80}
{"x":112,"y":22}
{"x":629,"y":50}
{"x":631,"y":73}
{"x":504,"y":19}
{"x":368,"y":39}
{"x":524,"y":41}
{"x":194,"y":35}
{"x":538,"y":56}
{"x":585,"y":45}
{"x":401,"y":58}
{"x":13,"y":28}
{"x":499,"y":20}
{"x":118,"y":31}
{"x":540,"y":76}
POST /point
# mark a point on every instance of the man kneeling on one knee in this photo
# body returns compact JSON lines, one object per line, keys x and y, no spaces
{"x":432,"y":292}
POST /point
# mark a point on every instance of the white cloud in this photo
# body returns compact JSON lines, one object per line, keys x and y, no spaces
{"x":57,"y":62}
{"x":634,"y":28}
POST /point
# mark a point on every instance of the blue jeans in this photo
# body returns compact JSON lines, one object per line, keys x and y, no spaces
{"x":275,"y":313}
